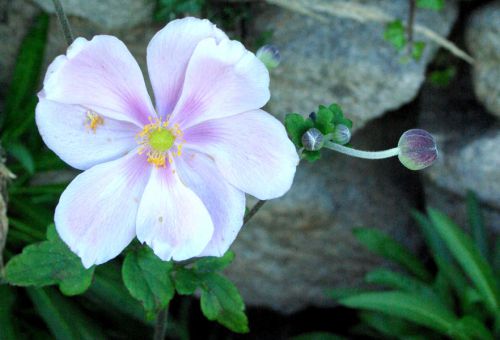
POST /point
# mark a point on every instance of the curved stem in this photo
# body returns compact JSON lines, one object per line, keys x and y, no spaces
{"x":253,"y":211}
{"x":362,"y":154}
{"x":63,"y":20}
{"x":161,"y":324}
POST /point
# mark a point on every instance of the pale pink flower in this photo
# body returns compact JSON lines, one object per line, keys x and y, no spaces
{"x":175,"y":177}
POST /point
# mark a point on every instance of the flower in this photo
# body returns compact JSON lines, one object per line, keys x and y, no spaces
{"x":174,"y":176}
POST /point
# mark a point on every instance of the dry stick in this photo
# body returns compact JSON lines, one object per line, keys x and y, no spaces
{"x":363,"y":13}
{"x":63,"y":20}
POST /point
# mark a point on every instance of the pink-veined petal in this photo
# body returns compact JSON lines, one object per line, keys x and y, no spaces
{"x":222,"y":79}
{"x":251,"y":150}
{"x":172,"y":219}
{"x":96,"y":213}
{"x":101,"y":75}
{"x":66,"y":130}
{"x":168,"y":56}
{"x":224,"y":202}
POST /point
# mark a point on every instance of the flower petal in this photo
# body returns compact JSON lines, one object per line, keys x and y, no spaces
{"x":172,"y":219}
{"x":251,"y":150}
{"x":168,"y":55}
{"x":222,"y":79}
{"x":65,"y":130}
{"x":224,"y":202}
{"x":101,"y":75}
{"x":96,"y":213}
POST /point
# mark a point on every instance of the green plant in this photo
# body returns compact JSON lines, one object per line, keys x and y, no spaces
{"x":461,"y":300}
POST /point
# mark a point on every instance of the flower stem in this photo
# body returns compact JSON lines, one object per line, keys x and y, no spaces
{"x":161,"y":324}
{"x":362,"y":154}
{"x":253,"y":211}
{"x":63,"y":20}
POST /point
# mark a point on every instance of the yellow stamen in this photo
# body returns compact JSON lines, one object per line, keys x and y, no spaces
{"x":93,"y":120}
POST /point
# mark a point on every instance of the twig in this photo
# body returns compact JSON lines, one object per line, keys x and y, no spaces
{"x":63,"y":20}
{"x":253,"y":211}
{"x":363,"y":13}
{"x":161,"y":324}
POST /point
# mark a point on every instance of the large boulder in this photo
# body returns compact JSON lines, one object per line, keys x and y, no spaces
{"x":482,"y":37}
{"x":301,"y":245}
{"x":346,"y":61}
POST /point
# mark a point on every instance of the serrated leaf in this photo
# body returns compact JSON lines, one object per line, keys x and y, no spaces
{"x":338,"y":116}
{"x":147,"y":278}
{"x":186,"y":281}
{"x":381,"y":244}
{"x":395,"y":34}
{"x":221,"y":301}
{"x":324,"y":120}
{"x":417,"y":50}
{"x":472,"y":263}
{"x":213,"y":263}
{"x":407,"y":306}
{"x":296,"y":125}
{"x":435,"y":5}
{"x":48,"y":263}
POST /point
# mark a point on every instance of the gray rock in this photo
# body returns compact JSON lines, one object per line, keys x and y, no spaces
{"x":346,"y":61}
{"x":469,"y":152}
{"x":108,"y":14}
{"x":482,"y":37}
{"x":301,"y":245}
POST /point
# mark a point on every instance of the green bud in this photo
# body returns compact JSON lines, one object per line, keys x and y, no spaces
{"x":417,"y":149}
{"x":312,"y":140}
{"x":269,"y":55}
{"x":341,"y":134}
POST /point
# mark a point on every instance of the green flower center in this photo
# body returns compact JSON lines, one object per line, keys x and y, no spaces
{"x":161,"y":139}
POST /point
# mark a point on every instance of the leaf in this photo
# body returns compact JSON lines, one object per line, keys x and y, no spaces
{"x":64,"y":319}
{"x":296,"y":125}
{"x":23,"y":156}
{"x":443,"y":77}
{"x":417,"y":50}
{"x":213,"y":263}
{"x":147,"y":278}
{"x":26,"y":72}
{"x":471,"y":327}
{"x":381,"y":244}
{"x":338,"y":116}
{"x":7,"y":329}
{"x":395,"y":34}
{"x":435,"y":5}
{"x":407,"y":306}
{"x":221,"y":301}
{"x":392,"y":327}
{"x":311,"y":156}
{"x":477,"y":224}
{"x":324,"y":120}
{"x":462,"y":248}
{"x":47,"y":263}
{"x":186,"y":281}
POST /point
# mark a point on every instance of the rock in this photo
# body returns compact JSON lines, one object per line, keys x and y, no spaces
{"x":469,"y":159}
{"x":482,"y":38}
{"x":346,"y":61}
{"x":299,"y":246}
{"x":108,"y":14}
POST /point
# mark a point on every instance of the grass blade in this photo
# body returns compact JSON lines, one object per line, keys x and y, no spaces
{"x":477,"y":224}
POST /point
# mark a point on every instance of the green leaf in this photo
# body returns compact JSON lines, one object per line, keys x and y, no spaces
{"x":407,"y":306}
{"x":477,"y":224}
{"x":48,"y":263}
{"x":324,"y":120}
{"x":26,"y":72}
{"x":221,"y":301}
{"x":296,"y":125}
{"x":417,"y":50}
{"x":443,"y":77}
{"x":462,"y":248}
{"x":213,"y":263}
{"x":338,"y":116}
{"x":311,"y":156}
{"x":435,"y":5}
{"x":381,"y":244}
{"x":23,"y":155}
{"x":472,"y":328}
{"x":391,"y":327}
{"x":395,"y":34}
{"x":7,"y":329}
{"x":186,"y":281}
{"x":147,"y":278}
{"x":317,"y":336}
{"x":64,"y":319}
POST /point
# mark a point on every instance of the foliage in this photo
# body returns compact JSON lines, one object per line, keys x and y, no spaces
{"x":435,"y":5}
{"x":167,"y":10}
{"x":461,"y":301}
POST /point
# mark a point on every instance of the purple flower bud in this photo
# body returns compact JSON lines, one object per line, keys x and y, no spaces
{"x":312,"y":140}
{"x":269,"y":55}
{"x":417,"y":149}
{"x":341,"y":134}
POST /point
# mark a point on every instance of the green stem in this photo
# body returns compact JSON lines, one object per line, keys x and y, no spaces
{"x":362,"y":154}
{"x":161,"y":324}
{"x":253,"y":211}
{"x":63,"y":20}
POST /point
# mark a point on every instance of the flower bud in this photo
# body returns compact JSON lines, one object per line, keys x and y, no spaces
{"x":312,"y":140}
{"x":417,"y":149}
{"x":269,"y":55}
{"x":341,"y":134}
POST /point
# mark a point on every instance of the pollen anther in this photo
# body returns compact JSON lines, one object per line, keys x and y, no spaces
{"x":93,"y":120}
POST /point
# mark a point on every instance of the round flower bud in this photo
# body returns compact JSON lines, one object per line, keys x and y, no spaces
{"x":417,"y":149}
{"x":312,"y":140}
{"x":269,"y":55}
{"x":341,"y":134}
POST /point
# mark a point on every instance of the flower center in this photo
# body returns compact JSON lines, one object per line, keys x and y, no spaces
{"x":157,"y":139}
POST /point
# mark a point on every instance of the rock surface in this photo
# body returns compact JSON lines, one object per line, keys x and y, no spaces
{"x":108,"y":14}
{"x":482,"y":37}
{"x":346,"y":61}
{"x":469,"y":151}
{"x":301,"y":245}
